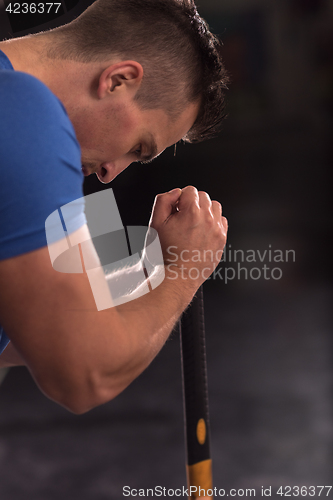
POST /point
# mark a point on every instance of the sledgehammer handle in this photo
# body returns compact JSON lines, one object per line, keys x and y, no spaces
{"x":195,"y":397}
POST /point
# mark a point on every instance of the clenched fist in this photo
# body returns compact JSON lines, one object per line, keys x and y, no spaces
{"x":192,"y":232}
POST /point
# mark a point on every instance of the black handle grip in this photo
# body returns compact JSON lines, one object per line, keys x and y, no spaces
{"x":195,"y":389}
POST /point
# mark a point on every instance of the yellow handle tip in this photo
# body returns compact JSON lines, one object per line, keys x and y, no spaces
{"x":200,"y":480}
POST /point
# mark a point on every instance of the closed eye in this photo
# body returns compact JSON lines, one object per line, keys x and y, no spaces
{"x":147,"y":152}
{"x":143,"y":159}
{"x":138,"y":152}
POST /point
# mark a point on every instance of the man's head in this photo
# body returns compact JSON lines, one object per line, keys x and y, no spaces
{"x":163,"y":65}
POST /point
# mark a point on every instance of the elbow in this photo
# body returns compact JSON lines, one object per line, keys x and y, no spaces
{"x":80,"y":402}
{"x":76,"y":396}
{"x":78,"y":406}
{"x":85,"y":400}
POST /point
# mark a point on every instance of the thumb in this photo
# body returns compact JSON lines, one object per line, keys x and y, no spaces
{"x":164,"y":206}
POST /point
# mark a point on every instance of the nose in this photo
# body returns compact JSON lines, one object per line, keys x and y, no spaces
{"x":106,"y":172}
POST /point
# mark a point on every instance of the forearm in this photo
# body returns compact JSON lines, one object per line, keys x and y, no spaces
{"x":88,"y":357}
{"x":127,"y":283}
{"x":150,"y":318}
{"x":146,"y":325}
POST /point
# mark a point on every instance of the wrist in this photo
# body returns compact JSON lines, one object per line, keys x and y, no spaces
{"x":182,"y":278}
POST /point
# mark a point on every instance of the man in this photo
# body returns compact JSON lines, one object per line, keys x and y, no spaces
{"x":135,"y":77}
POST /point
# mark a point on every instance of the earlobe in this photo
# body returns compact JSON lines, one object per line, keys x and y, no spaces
{"x":120,"y":76}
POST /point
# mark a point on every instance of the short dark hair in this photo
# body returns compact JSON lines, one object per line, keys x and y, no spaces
{"x":181,"y":58}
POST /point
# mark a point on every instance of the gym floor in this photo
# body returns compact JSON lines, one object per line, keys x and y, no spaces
{"x":270,"y":383}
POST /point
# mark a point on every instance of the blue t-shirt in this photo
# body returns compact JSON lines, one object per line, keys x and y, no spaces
{"x":40,"y":163}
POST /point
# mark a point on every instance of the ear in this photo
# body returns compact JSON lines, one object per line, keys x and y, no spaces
{"x":126,"y":75}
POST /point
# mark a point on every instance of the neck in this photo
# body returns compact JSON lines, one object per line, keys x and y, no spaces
{"x":24,"y":54}
{"x":29,"y":55}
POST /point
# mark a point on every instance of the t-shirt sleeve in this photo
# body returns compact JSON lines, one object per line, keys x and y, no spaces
{"x":40,"y":163}
{"x":4,"y":340}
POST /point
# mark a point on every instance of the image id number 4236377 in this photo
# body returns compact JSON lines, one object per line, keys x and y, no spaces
{"x":33,"y":8}
{"x":303,"y":491}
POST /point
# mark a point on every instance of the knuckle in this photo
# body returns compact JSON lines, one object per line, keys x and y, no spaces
{"x":204,"y":196}
{"x":191,"y":189}
{"x":203,"y":193}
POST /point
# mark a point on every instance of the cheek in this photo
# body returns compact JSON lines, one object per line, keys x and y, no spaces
{"x":122,"y":121}
{"x":112,"y":134}
{"x":121,"y":134}
{"x":86,"y":136}
{"x":84,"y":125}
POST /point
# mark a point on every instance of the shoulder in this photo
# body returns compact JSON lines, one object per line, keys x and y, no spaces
{"x":34,"y":126}
{"x":30,"y":109}
{"x":40,"y":162}
{"x":21,"y":92}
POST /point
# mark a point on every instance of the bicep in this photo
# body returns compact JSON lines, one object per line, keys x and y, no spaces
{"x":50,"y":316}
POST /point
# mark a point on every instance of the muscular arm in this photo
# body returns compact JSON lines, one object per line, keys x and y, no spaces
{"x":78,"y":356}
{"x":134,"y":276}
{"x":81,"y":357}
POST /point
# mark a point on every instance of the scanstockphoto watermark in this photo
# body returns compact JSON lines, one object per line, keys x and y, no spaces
{"x":189,"y":492}
{"x":234,"y":264}
{"x":198,"y":492}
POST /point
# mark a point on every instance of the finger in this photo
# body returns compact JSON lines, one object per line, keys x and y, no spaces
{"x":204,"y":200}
{"x":164,"y":206}
{"x":216,"y":209}
{"x":225,"y":224}
{"x":189,"y":198}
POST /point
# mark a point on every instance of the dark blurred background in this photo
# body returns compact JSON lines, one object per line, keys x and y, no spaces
{"x":268,"y":335}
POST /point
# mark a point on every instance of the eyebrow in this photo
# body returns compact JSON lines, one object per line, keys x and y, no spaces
{"x":152,"y":148}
